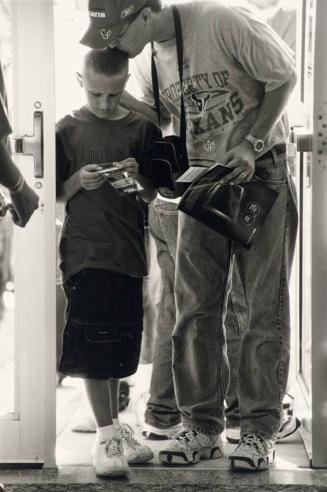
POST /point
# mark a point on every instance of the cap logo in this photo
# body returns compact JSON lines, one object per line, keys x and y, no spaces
{"x":125,"y":13}
{"x":105,"y":33}
{"x":98,"y":14}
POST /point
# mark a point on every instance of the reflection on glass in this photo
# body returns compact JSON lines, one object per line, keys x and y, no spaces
{"x":7,"y":298}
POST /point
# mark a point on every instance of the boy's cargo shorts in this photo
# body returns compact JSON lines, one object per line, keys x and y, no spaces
{"x":104,"y":322}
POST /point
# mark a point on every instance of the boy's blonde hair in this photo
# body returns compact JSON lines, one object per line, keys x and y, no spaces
{"x":106,"y":62}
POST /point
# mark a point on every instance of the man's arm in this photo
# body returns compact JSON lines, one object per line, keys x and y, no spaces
{"x":9,"y":173}
{"x":23,"y":198}
{"x":241,"y":158}
{"x":130,"y":102}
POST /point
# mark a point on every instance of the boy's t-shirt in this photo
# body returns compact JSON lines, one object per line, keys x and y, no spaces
{"x":231,"y":59}
{"x":103,"y":228}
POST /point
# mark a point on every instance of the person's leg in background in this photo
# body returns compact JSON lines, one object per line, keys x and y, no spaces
{"x":140,"y":382}
{"x":162,"y":415}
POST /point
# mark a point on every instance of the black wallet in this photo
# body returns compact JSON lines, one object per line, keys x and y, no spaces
{"x":235,"y":211}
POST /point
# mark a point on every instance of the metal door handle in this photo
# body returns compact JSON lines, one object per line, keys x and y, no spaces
{"x":32,"y":144}
{"x":302,"y":138}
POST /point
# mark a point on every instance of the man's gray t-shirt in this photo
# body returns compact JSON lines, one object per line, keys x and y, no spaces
{"x":230,"y":60}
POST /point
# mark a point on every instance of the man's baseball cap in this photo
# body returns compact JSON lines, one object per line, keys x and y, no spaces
{"x":107,"y":19}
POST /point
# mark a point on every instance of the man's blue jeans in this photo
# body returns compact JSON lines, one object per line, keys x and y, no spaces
{"x":200,"y":365}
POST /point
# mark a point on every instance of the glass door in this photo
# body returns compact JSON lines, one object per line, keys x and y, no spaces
{"x":311,"y":260}
{"x":27,"y":327}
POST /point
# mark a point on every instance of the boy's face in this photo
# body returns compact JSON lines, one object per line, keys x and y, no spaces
{"x":103,"y":93}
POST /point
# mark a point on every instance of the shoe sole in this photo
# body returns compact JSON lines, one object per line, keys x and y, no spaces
{"x":243,"y":463}
{"x":231,"y":440}
{"x":152,"y":436}
{"x":138,"y":461}
{"x":180,"y":458}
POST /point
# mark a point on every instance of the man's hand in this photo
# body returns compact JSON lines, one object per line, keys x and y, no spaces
{"x":89,"y":177}
{"x":241,"y":159}
{"x":25,"y":202}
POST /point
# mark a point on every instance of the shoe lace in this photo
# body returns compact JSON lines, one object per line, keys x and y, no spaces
{"x":255,"y":441}
{"x":112,"y":447}
{"x":186,"y":437}
{"x":128,"y":435}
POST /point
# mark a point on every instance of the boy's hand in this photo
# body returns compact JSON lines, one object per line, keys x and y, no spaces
{"x":24,"y":203}
{"x":90,"y":178}
{"x":129,"y":166}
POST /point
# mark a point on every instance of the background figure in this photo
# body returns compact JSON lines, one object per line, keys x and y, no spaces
{"x":162,"y":416}
{"x":24,"y":199}
{"x":151,"y":295}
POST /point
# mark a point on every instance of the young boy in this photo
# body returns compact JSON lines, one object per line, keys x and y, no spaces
{"x":102,"y":248}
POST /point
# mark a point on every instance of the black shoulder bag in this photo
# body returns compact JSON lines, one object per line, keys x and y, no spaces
{"x":170,"y":158}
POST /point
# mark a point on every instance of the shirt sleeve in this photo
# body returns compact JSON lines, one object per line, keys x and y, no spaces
{"x":63,"y":157}
{"x":257,"y":47}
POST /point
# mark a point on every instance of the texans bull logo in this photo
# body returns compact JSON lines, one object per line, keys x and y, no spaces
{"x":201,"y":99}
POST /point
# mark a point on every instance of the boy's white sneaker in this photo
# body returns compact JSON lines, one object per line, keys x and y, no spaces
{"x":190,"y":446}
{"x":133,"y":450}
{"x":108,"y":457}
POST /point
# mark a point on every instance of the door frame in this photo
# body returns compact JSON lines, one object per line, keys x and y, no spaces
{"x":28,"y":435}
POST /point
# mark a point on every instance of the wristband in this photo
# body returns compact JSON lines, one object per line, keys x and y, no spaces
{"x":17,"y":188}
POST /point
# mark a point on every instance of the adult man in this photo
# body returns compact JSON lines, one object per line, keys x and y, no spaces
{"x":23,"y":198}
{"x":237,"y":79}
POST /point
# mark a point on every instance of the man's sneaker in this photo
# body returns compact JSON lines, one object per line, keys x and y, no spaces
{"x":157,"y":434}
{"x":133,"y":450}
{"x":288,"y":426}
{"x":254,"y":452}
{"x":288,"y":404}
{"x":109,"y":459}
{"x":190,"y":446}
{"x":233,"y":435}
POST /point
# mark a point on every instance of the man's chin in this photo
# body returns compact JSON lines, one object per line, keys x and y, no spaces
{"x":131,"y":53}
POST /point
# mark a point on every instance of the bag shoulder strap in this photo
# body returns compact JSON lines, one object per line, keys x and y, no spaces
{"x":155,"y":81}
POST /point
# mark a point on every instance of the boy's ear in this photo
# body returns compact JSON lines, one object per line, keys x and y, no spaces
{"x":79,"y":79}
